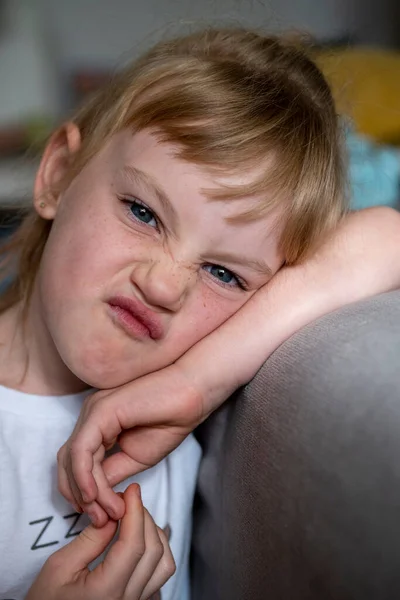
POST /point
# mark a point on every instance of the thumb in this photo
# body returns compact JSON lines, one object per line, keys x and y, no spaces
{"x":89,"y":544}
{"x":141,"y":449}
{"x":120,"y":466}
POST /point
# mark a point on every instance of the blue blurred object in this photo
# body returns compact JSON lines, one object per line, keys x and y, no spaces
{"x":374,"y":173}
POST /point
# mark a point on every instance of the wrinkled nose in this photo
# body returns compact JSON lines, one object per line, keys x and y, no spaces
{"x":163,"y":283}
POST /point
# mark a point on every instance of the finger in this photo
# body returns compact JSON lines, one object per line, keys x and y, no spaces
{"x":110,"y":501}
{"x":97,"y":458}
{"x":73,"y":487}
{"x":150,"y":443}
{"x":108,"y":506}
{"x":128,"y":549}
{"x":164,"y":570}
{"x":64,"y":487}
{"x":150,"y":560}
{"x":94,"y":510}
{"x":101,"y":429}
{"x":85,"y":548}
{"x":80,"y":470}
{"x":96,"y":514}
{"x":120,"y":466}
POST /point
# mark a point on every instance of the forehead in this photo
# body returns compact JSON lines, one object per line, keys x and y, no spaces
{"x":145,"y":157}
{"x":143,"y":166}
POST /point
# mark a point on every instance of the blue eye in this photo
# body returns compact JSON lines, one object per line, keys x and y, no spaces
{"x":224,"y":275}
{"x":142,"y":213}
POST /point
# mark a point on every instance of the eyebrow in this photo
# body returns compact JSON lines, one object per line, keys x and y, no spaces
{"x":145,"y":180}
{"x":141,"y":178}
{"x":256,"y":265}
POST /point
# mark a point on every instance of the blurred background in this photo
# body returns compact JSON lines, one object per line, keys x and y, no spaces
{"x":54,"y":52}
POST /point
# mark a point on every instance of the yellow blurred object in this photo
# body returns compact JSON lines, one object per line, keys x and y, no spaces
{"x":366,"y":86}
{"x":37,"y":130}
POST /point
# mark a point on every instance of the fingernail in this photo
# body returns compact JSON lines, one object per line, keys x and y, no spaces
{"x":93,"y":519}
{"x":138,"y":490}
{"x":113,"y":514}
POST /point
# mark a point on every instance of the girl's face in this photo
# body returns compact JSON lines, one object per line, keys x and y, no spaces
{"x":140,"y":264}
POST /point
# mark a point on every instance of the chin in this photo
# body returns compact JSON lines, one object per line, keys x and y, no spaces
{"x":102,"y":383}
{"x":103,"y":379}
{"x":101,"y":371}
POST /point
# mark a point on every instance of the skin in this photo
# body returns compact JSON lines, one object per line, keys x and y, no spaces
{"x":104,"y":244}
{"x":135,"y":567}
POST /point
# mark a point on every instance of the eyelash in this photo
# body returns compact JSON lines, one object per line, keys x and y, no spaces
{"x":129,"y":202}
{"x":240,"y":283}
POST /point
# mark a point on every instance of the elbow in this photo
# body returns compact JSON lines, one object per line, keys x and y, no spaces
{"x":384,"y":215}
{"x":382,"y":222}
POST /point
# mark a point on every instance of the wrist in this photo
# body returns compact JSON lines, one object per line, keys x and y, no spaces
{"x":203,"y":377}
{"x":186,"y":386}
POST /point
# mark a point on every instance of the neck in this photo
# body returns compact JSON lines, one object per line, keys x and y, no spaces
{"x":29,"y":360}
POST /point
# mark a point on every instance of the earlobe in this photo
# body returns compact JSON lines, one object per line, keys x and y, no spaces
{"x":56,"y":161}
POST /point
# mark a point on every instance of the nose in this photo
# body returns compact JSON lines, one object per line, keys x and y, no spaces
{"x":163,"y":282}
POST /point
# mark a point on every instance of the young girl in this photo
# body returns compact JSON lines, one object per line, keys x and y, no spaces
{"x":168,"y":203}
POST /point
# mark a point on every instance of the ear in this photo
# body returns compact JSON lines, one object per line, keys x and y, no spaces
{"x":63,"y":144}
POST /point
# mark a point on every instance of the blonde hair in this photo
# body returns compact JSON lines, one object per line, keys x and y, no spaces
{"x":228,"y":99}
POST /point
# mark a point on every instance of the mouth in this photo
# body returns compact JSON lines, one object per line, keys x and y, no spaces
{"x":135,"y":318}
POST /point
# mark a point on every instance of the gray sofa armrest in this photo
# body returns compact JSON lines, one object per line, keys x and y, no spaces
{"x":299,"y":488}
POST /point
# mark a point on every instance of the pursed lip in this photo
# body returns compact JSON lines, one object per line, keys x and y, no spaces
{"x":141,"y":313}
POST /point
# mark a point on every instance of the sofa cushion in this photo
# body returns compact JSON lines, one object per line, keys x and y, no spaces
{"x":299,"y":489}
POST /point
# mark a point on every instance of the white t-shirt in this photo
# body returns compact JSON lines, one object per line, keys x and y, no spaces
{"x":35,"y":520}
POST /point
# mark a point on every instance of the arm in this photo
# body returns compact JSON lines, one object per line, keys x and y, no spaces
{"x":152,"y":415}
{"x":360,"y":260}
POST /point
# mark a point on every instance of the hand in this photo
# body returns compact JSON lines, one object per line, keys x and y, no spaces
{"x":137,"y":565}
{"x":152,"y":415}
{"x":164,"y":408}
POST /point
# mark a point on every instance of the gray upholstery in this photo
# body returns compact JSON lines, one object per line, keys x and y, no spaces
{"x":299,"y":487}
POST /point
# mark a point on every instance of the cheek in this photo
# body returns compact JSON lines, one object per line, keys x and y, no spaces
{"x":84,"y":250}
{"x":82,"y":232}
{"x":209,"y":311}
{"x":70,"y":259}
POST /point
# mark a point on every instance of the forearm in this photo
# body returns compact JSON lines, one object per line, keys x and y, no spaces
{"x":230,"y":356}
{"x":362,"y":259}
